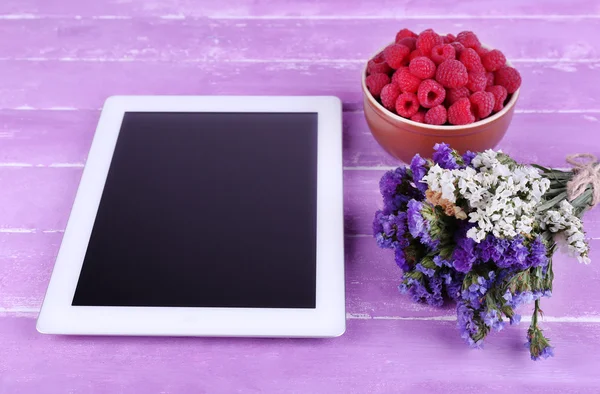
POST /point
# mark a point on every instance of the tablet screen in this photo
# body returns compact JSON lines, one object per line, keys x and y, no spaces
{"x":207,"y":210}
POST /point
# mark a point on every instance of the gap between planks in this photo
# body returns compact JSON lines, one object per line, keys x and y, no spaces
{"x":33,"y":312}
{"x":261,"y":61}
{"x":306,"y":17}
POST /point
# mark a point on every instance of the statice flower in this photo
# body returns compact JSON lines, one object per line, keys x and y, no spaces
{"x":492,"y":318}
{"x":563,"y":221}
{"x":444,"y":156}
{"x":396,"y":190}
{"x":464,"y":255}
{"x":419,"y":292}
{"x":419,"y":168}
{"x":515,"y":255}
{"x":468,"y":157}
{"x":538,"y":344}
{"x":492,"y":248}
{"x":418,"y":226}
{"x":501,"y":196}
{"x":467,"y":326}
{"x":427,"y":271}
{"x":474,"y":293}
{"x":538,"y":255}
{"x":389,"y":230}
{"x":400,"y":258}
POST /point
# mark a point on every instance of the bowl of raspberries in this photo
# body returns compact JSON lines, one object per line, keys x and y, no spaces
{"x":427,"y":88}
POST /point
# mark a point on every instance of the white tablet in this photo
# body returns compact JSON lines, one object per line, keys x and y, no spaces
{"x":206,"y":216}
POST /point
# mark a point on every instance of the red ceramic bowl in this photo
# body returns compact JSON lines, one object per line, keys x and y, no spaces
{"x":403,"y":138}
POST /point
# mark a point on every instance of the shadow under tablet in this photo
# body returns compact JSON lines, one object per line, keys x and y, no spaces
{"x":207,"y":210}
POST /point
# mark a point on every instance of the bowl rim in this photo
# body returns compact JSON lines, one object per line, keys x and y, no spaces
{"x":511,"y":103}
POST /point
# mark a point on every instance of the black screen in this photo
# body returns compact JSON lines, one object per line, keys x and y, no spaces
{"x":207,"y":210}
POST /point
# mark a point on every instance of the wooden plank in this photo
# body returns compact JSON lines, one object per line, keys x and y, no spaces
{"x":41,"y":198}
{"x":63,"y":137}
{"x":374,"y":356}
{"x":545,"y":139}
{"x":372,"y":279}
{"x":301,"y":8}
{"x":46,"y":137}
{"x":85,"y":85}
{"x":320,"y":40}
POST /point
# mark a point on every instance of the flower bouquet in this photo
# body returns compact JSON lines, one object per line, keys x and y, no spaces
{"x":481,"y":229}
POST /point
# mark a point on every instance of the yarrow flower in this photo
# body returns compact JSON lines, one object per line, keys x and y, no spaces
{"x":479,"y":229}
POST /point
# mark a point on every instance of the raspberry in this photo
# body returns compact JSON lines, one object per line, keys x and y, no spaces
{"x":378,"y":65}
{"x":396,"y":55}
{"x":493,"y":60}
{"x":422,"y":67}
{"x":436,"y":115}
{"x":500,"y":95}
{"x":482,"y":104}
{"x":471,"y":60}
{"x":409,"y":42}
{"x":376,"y":82}
{"x":404,"y":33}
{"x":458,"y":47}
{"x":414,"y":54}
{"x":453,"y":95}
{"x":407,"y":104}
{"x":490,"y":79}
{"x":448,"y":38}
{"x":452,"y":74}
{"x":468,"y":39}
{"x":427,"y":40}
{"x":459,"y":113}
{"x":431,"y":93}
{"x":419,"y":116}
{"x":443,"y":52}
{"x":405,"y":80}
{"x":389,"y":95}
{"x":477,"y":81}
{"x":481,"y":51}
{"x":509,"y":78}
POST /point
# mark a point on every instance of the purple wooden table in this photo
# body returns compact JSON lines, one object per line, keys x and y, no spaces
{"x":59,"y":60}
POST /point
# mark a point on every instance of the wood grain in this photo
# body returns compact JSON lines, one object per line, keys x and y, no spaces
{"x":46,"y":138}
{"x":386,"y":9}
{"x":199,"y":40}
{"x":374,"y":356}
{"x":85,"y":85}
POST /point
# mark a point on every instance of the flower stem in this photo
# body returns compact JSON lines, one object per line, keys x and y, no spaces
{"x":534,"y":318}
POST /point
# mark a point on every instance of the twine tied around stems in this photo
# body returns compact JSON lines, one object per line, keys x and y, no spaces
{"x":584,"y":173}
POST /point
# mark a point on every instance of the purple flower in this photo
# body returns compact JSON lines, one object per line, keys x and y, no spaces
{"x":400,"y":258}
{"x":440,"y":262}
{"x":537,"y":254}
{"x":515,"y":255}
{"x":515,"y":319}
{"x":538,"y":344}
{"x":419,"y":291}
{"x":427,"y":271}
{"x":474,"y":294}
{"x":417,"y":225}
{"x":464,"y":255}
{"x":396,"y":190}
{"x":492,"y":248}
{"x":418,"y":166}
{"x":389,"y":230}
{"x":453,"y":281}
{"x":468,"y":157}
{"x":444,"y":156}
{"x":467,"y":326}
{"x":491,"y":318}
